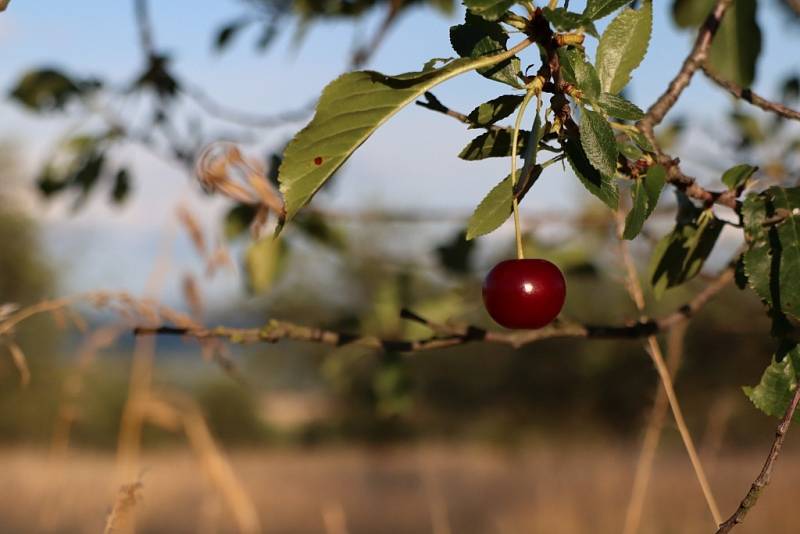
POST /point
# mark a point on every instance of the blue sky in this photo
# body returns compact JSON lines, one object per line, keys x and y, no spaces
{"x":409,"y":163}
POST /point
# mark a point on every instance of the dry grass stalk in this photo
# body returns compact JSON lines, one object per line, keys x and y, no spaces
{"x":182,"y":413}
{"x":334,"y":518}
{"x":653,"y":348}
{"x":193,"y":228}
{"x":121,"y":515}
{"x":652,"y":435}
{"x":20,"y":362}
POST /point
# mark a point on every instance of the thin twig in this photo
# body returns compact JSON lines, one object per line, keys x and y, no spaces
{"x":656,"y":113}
{"x":763,"y":478}
{"x":446,"y":336}
{"x":654,"y":350}
{"x":748,"y":95}
{"x":144,"y":27}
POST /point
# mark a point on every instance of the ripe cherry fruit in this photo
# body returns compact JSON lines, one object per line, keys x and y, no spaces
{"x":524,"y":293}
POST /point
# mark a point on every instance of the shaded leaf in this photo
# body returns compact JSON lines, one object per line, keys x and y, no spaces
{"x":772,"y":260}
{"x":489,"y":9}
{"x":598,"y":141}
{"x":350,"y":109}
{"x":456,"y":254}
{"x":623,"y":46}
{"x":646,"y":192}
{"x":227,"y":32}
{"x":597,"y":183}
{"x":478,"y":37}
{"x":47,"y":89}
{"x":238,"y":219}
{"x":597,"y":9}
{"x":617,"y":106}
{"x":774,"y":392}
{"x":737,"y":176}
{"x":680,"y":255}
{"x":567,"y":21}
{"x":494,"y":110}
{"x":737,"y":44}
{"x":493,"y":144}
{"x":317,"y":228}
{"x":122,"y":186}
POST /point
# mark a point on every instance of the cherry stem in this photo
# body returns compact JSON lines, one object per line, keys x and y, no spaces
{"x":514,"y":139}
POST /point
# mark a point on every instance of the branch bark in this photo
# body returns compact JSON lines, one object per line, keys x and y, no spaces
{"x":749,"y":96}
{"x":446,"y":335}
{"x":763,"y":478}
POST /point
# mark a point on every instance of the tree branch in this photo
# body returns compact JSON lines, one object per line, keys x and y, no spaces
{"x":751,"y":97}
{"x":656,"y":113}
{"x":446,"y":335}
{"x":764,"y":476}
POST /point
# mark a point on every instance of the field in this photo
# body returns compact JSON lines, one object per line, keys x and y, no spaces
{"x":437,"y":489}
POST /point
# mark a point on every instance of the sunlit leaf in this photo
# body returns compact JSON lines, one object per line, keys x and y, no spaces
{"x":623,"y":46}
{"x":598,"y":141}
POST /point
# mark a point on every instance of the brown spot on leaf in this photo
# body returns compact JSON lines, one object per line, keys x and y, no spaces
{"x":318,"y":160}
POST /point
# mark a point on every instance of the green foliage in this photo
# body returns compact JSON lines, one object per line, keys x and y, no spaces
{"x":623,"y":46}
{"x":680,"y":255}
{"x":48,"y":89}
{"x":646,"y":192}
{"x":350,"y":109}
{"x":616,"y":106}
{"x":596,"y":182}
{"x":478,"y":37}
{"x":738,"y":175}
{"x":737,"y":45}
{"x":579,"y":72}
{"x":777,"y":386}
{"x":493,"y":210}
{"x":264,"y":262}
{"x":772,"y":260}
{"x":493,"y":144}
{"x":597,"y":9}
{"x":489,"y":9}
{"x":494,"y":110}
{"x":598,"y":142}
{"x":567,"y":21}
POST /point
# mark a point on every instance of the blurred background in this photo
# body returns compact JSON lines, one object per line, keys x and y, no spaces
{"x":105,"y":108}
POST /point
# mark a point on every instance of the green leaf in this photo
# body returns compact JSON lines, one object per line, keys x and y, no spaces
{"x":737,"y":176}
{"x":47,"y":90}
{"x":227,"y":32}
{"x":455,"y":255}
{"x":264,"y":262}
{"x":579,"y":72}
{"x":494,"y":110}
{"x":567,"y":21}
{"x":774,"y":392}
{"x":617,"y":106}
{"x":493,"y":210}
{"x":646,"y":192}
{"x":598,"y":141}
{"x":630,"y":151}
{"x":680,"y":255}
{"x":737,"y":44}
{"x":641,"y":141}
{"x":350,"y":109}
{"x":623,"y":46}
{"x":597,"y":9}
{"x":489,"y":9}
{"x":238,"y":220}
{"x":772,"y":261}
{"x":478,"y":38}
{"x":493,"y":144}
{"x":597,"y":183}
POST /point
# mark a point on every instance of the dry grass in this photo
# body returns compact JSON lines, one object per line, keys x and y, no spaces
{"x":548,"y":489}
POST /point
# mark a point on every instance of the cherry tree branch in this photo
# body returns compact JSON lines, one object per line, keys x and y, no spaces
{"x":749,"y":96}
{"x":763,"y":478}
{"x":447,"y":335}
{"x":656,"y":113}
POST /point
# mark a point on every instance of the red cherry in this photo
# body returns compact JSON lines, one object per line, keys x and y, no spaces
{"x":524,"y":293}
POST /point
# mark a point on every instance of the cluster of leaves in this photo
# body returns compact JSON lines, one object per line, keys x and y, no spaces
{"x":589,"y":124}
